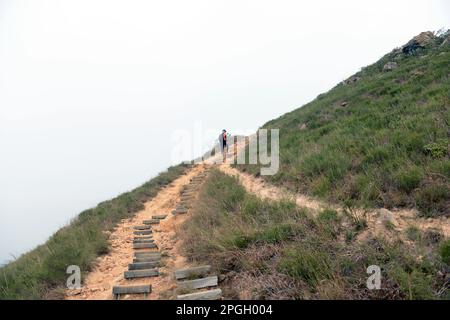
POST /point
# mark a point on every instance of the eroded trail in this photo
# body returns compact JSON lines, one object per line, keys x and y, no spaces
{"x":108,"y":270}
{"x":376,"y":218}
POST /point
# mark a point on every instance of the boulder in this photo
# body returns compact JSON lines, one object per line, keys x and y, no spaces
{"x":420,"y":41}
{"x":384,"y":215}
{"x":391,"y":65}
{"x":351,"y":80}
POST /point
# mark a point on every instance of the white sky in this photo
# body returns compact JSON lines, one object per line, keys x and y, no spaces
{"x":91,"y":91}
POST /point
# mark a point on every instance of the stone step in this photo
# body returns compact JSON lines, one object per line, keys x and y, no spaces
{"x":192,"y":272}
{"x":159,"y":216}
{"x":144,"y":245}
{"x":118,"y":290}
{"x":131,"y":274}
{"x":151,"y":221}
{"x":143,"y":265}
{"x":142,"y":228}
{"x":142,"y":232}
{"x":214,"y":294}
{"x":198,"y":283}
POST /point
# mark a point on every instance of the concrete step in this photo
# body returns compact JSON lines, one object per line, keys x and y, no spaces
{"x":214,"y":294}
{"x":143,"y":241}
{"x":151,"y":221}
{"x":118,"y":290}
{"x":131,"y":274}
{"x":142,"y":228}
{"x":198,"y":283}
{"x":142,"y":232}
{"x":152,"y":253}
{"x":198,"y":271}
{"x":159,"y":216}
{"x":150,"y":237}
{"x":180,"y":210}
{"x":147,"y":259}
{"x":144,"y":245}
{"x":143,"y":265}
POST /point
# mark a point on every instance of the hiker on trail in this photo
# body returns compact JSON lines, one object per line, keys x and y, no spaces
{"x":223,"y":144}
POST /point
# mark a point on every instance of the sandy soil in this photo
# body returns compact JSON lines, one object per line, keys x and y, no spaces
{"x":108,"y":269}
{"x":400,"y":219}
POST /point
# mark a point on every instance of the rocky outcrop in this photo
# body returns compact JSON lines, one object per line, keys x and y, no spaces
{"x":420,"y":41}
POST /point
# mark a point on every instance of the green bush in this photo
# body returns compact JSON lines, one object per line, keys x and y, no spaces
{"x":409,"y":179}
{"x":431,"y":199}
{"x":436,"y":149}
{"x":328,"y":215}
{"x":309,"y":263}
{"x":444,"y":251}
{"x":415,"y":284}
{"x":413,"y":233}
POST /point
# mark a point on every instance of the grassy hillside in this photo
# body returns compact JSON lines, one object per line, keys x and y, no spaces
{"x":380,"y":138}
{"x":41,"y":273}
{"x":275,"y":250}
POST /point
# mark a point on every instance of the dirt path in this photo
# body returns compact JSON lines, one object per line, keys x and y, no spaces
{"x":108,"y":269}
{"x":400,"y":219}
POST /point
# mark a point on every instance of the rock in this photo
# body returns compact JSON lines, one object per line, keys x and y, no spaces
{"x":74,"y":292}
{"x":303,"y":126}
{"x":351,"y":80}
{"x":385,"y":215}
{"x":391,"y":65}
{"x":425,"y":38}
{"x":417,"y":73}
{"x":344,"y":103}
{"x":420,"y":41}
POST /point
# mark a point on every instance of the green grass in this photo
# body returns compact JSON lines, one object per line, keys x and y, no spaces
{"x":41,"y":273}
{"x":444,"y":251}
{"x":388,"y":147}
{"x":276,"y":250}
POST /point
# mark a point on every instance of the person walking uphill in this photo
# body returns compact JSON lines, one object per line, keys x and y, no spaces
{"x":223,"y":144}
